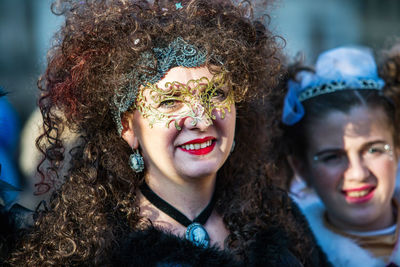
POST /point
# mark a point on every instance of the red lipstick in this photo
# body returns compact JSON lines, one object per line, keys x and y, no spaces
{"x":199,"y":140}
{"x":361,"y":198}
{"x":200,"y":151}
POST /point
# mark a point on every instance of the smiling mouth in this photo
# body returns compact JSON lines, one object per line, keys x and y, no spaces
{"x":359,"y":195}
{"x":199,"y":147}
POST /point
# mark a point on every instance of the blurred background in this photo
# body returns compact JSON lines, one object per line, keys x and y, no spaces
{"x":312,"y":26}
{"x":308,"y":26}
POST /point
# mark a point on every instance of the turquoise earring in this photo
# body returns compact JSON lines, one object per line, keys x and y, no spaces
{"x":232,"y":147}
{"x":136,"y":161}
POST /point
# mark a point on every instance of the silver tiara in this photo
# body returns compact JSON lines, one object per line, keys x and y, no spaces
{"x":334,"y":86}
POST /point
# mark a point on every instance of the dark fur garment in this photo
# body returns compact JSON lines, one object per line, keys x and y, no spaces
{"x":156,"y":248}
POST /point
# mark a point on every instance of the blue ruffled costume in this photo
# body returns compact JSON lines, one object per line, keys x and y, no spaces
{"x":9,"y":137}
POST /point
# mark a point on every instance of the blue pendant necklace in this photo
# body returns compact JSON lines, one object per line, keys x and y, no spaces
{"x":195,"y":232}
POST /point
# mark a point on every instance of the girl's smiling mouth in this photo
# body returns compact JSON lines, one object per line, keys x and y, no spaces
{"x":359,"y":195}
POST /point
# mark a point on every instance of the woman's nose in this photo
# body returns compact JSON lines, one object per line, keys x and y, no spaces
{"x":200,"y":121}
{"x":197,"y":116}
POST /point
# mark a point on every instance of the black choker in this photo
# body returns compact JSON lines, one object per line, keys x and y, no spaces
{"x":195,"y":231}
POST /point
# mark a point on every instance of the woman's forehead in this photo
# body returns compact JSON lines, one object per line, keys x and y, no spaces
{"x":184,"y":75}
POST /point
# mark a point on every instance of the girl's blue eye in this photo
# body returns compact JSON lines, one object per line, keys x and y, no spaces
{"x":374,"y":150}
{"x":331,"y":159}
{"x":377,"y":149}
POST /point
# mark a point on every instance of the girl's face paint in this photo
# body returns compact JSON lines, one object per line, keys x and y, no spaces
{"x":352,"y":164}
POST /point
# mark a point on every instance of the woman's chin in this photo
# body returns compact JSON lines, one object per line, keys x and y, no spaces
{"x":198,"y":172}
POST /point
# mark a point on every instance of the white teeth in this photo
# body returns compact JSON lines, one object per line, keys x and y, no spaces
{"x":197,"y":146}
{"x":358,"y":193}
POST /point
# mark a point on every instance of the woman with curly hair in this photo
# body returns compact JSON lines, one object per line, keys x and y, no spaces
{"x":160,"y":93}
{"x":342,"y":127}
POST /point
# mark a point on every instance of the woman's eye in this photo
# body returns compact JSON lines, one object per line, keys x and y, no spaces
{"x":170,"y":103}
{"x":219,"y":94}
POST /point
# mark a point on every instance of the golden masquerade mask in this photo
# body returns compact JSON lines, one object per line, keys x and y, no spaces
{"x":198,"y":99}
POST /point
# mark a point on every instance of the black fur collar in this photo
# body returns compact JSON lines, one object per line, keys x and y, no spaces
{"x":156,"y":248}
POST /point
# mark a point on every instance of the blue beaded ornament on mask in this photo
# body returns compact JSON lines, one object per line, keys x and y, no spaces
{"x":178,"y":5}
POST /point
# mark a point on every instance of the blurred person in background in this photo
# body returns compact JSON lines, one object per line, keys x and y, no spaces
{"x":341,"y":122}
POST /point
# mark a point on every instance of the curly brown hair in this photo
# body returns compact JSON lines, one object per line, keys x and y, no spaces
{"x":389,"y":70}
{"x":95,"y":47}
